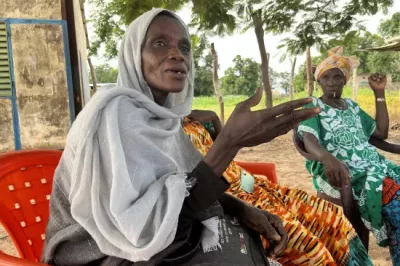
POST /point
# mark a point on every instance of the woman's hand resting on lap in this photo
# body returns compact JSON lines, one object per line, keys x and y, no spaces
{"x":268,"y":225}
{"x":337,"y":172}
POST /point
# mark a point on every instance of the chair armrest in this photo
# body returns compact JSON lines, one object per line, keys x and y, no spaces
{"x":14,"y":261}
{"x":385,"y":146}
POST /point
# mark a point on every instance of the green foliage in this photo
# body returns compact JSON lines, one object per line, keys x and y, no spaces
{"x":283,"y":81}
{"x":391,"y":27}
{"x":324,"y":19}
{"x":213,"y":16}
{"x":105,"y":74}
{"x":388,"y":63}
{"x":203,"y":81}
{"x":111,"y":17}
{"x":299,"y":80}
{"x":243,"y":78}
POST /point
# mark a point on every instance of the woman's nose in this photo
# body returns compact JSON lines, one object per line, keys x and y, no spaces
{"x":176,"y":54}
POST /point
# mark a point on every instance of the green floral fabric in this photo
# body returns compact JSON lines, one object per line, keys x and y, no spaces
{"x":345,"y":134}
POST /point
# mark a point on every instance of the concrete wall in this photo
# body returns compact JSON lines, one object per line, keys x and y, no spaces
{"x":31,"y":9}
{"x":41,"y":85}
{"x":6,"y":125}
{"x":42,"y":93}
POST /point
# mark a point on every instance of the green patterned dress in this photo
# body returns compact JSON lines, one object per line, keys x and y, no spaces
{"x":345,"y":134}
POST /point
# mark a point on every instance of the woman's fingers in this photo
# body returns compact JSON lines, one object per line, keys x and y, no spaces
{"x":345,"y":177}
{"x":284,"y":108}
{"x":296,"y":117}
{"x":334,"y":177}
{"x":282,"y":245}
{"x":283,"y":124}
{"x":251,"y":101}
{"x":268,"y":231}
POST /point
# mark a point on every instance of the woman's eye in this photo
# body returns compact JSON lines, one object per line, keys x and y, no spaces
{"x":159,"y":44}
{"x":185,"y":49}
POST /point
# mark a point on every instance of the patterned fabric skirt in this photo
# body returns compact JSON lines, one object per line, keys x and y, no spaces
{"x":391,"y":216}
{"x":319,"y":233}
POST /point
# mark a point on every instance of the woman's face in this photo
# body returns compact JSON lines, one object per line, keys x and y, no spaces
{"x":166,"y":57}
{"x":332,"y":82}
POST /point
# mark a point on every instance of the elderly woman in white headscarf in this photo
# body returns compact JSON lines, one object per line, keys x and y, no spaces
{"x":132,"y":189}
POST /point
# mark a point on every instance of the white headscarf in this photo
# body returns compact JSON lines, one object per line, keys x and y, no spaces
{"x":126,"y":159}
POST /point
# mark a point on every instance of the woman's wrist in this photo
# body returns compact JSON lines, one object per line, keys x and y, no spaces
{"x":327,"y":158}
{"x":379,"y":94}
{"x":232,"y":205}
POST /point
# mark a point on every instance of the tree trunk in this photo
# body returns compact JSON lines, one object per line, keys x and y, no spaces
{"x":92,"y":69}
{"x":258,"y":27}
{"x":355,"y":85}
{"x":310,"y":85}
{"x":293,"y":61}
{"x":217,"y":89}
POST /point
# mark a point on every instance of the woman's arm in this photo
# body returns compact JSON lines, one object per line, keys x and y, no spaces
{"x":378,"y":83}
{"x":315,"y":149}
{"x":337,"y":173}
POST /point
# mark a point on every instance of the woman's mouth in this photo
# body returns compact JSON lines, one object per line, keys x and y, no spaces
{"x":179,"y":74}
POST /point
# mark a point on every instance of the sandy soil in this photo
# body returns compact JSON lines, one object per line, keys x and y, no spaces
{"x":291,"y":172}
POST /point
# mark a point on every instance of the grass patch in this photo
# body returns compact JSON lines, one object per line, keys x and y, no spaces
{"x":365,"y":99}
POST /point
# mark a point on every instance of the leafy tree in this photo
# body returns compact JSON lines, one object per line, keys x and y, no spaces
{"x":283,"y":81}
{"x":325,"y":18}
{"x":384,"y":62}
{"x":391,"y":27}
{"x":105,"y":74}
{"x":243,"y":78}
{"x":299,"y":80}
{"x":111,"y":17}
{"x":216,"y":17}
{"x":203,"y":81}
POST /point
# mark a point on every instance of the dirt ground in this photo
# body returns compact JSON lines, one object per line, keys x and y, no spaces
{"x":291,"y":172}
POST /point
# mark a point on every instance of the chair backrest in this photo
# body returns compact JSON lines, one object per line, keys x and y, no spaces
{"x":26,"y":179}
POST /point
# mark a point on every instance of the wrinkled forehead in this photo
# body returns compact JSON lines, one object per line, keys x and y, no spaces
{"x":168,"y":25}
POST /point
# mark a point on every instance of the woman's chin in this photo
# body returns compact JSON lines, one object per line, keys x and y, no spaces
{"x":174,"y":88}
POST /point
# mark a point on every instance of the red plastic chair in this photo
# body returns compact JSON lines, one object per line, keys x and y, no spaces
{"x":25,"y":185}
{"x":26,"y":179}
{"x":260,"y":168}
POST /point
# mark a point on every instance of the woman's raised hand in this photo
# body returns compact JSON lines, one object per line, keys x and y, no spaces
{"x":246,"y":128}
{"x":377,"y":81}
